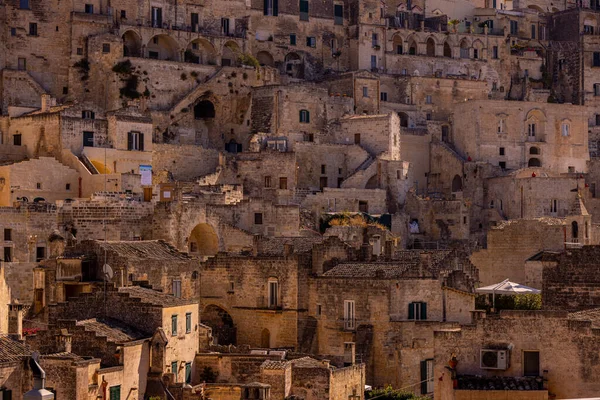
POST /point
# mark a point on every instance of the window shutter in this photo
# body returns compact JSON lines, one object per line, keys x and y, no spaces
{"x":411,"y":311}
{"x":423,"y":311}
{"x":266,"y":7}
{"x":423,"y":377}
{"x":141,"y":141}
{"x":83,"y":114}
{"x":307,"y":117}
{"x":129,"y":141}
{"x":275,"y":7}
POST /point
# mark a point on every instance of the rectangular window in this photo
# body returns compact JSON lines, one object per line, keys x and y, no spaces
{"x":105,"y":48}
{"x":322,"y":182}
{"x":7,"y":254}
{"x":365,"y":91}
{"x":13,"y":31}
{"x":273,"y":294}
{"x":311,"y":41}
{"x":271,"y":7}
{"x":135,"y":141}
{"x":554,"y":206}
{"x":501,"y":126}
{"x":427,"y":382}
{"x":258,"y":218}
{"x":88,"y":139}
{"x":188,"y":372}
{"x":87,"y":114}
{"x":596,"y":59}
{"x":303,"y":10}
{"x":399,"y":49}
{"x":323,"y":168}
{"x":173,"y":325}
{"x":188,"y":322}
{"x":502,"y":164}
{"x":501,"y":151}
{"x":38,"y":185}
{"x":588,"y":29}
{"x":123,"y":14}
{"x":22,"y":64}
{"x":68,"y":187}
{"x":338,"y":14}
{"x":7,"y":235}
{"x":33,"y":29}
{"x":383,"y":96}
{"x":24,"y":4}
{"x":363,"y":206}
{"x":531,"y":130}
{"x":304,"y":116}
{"x":174,"y":369}
{"x":357,"y":138}
{"x":319,"y":309}
{"x":292,"y":39}
{"x":89,"y":8}
{"x":267,"y":181}
{"x":225,"y":26}
{"x":40,"y":253}
{"x":514,"y":28}
{"x":374,"y":40}
{"x":373,"y":62}
{"x":115,"y":392}
{"x":417,"y":311}
{"x":176,"y":288}
{"x":531,"y":363}
{"x":283,"y":183}
{"x":565,"y":129}
{"x":194,"y":20}
{"x":533,"y":31}
{"x":80,"y":51}
{"x":596,"y":89}
{"x":17,"y":140}
{"x":495,"y":52}
{"x":349,"y":314}
{"x":157,"y":17}
{"x":428,"y":99}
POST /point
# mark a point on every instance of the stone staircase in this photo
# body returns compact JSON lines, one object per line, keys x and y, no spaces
{"x":359,"y":177}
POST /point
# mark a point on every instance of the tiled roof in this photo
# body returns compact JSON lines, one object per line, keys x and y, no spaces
{"x":154,"y":297}
{"x":63,"y":355}
{"x":145,"y":250}
{"x":307,"y":362}
{"x":269,"y":364}
{"x":370,"y":270}
{"x":471,"y":382}
{"x":275,"y":246}
{"x":114,"y":331}
{"x":12,"y":350}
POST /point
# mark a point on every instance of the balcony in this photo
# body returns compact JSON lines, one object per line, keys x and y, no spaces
{"x":206,"y":30}
{"x":500,"y":387}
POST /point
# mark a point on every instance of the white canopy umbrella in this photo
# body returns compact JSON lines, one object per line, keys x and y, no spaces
{"x":506,"y":287}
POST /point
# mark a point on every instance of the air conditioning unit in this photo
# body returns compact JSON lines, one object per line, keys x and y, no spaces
{"x":494,"y":359}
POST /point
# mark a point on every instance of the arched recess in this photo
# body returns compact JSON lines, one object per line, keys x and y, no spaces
{"x":447,"y":50}
{"x":372,"y":183}
{"x":132,"y":44}
{"x":223,"y":329}
{"x":457,"y":184}
{"x":204,"y":109}
{"x":203,"y":240}
{"x":201,"y":51}
{"x":430,"y":47}
{"x":265,"y":58}
{"x":536,"y":8}
{"x":294,"y":66}
{"x":398,"y":44}
{"x":534,"y":150}
{"x":464,"y":49}
{"x":265,"y":339}
{"x":403,"y":119}
{"x":231,"y":52}
{"x":477,"y":49}
{"x":534,"y":162}
{"x":412,"y":47}
{"x":574,"y":230}
{"x":163,"y":47}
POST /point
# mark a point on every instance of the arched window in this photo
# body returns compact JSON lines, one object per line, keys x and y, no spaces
{"x":304,"y":116}
{"x":501,"y":125}
{"x":574,"y":230}
{"x":534,"y":162}
{"x":273,"y":293}
{"x":534,"y":150}
{"x":566,"y":128}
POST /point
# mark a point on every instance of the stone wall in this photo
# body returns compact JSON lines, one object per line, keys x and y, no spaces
{"x":184,"y":162}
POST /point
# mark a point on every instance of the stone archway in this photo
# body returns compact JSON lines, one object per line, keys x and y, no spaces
{"x":265,"y":58}
{"x":132,"y":44}
{"x":430,"y":47}
{"x":223,"y":329}
{"x":447,"y":50}
{"x":457,"y":184}
{"x":204,"y":109}
{"x":203,"y":241}
{"x":163,"y":47}
{"x":534,"y":162}
{"x":403,"y":119}
{"x":200,"y":51}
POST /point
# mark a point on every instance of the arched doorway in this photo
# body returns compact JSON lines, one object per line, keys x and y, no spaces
{"x":464,"y":49}
{"x":403,"y":119}
{"x":132,"y":44}
{"x":163,"y":47}
{"x":412,"y":47}
{"x":223,"y":329}
{"x":534,"y":162}
{"x":265,"y":339}
{"x":233,"y":146}
{"x":457,"y":184}
{"x":447,"y":50}
{"x":204,"y":109}
{"x":372,"y":183}
{"x":398,"y":44}
{"x":294,"y":66}
{"x":265,"y":58}
{"x":430,"y":47}
{"x":231,"y":51}
{"x":200,"y":51}
{"x":203,"y":241}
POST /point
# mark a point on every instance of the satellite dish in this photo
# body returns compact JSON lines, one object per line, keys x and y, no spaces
{"x":108,"y":272}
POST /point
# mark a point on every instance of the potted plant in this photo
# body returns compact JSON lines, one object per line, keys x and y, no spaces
{"x":453,"y":23}
{"x":376,"y":46}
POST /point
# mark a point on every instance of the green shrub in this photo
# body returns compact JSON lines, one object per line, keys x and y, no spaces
{"x":123,"y":67}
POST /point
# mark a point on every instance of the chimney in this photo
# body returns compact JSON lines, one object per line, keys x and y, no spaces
{"x":39,"y":380}
{"x":45,"y":100}
{"x":15,"y":320}
{"x":63,"y":341}
{"x":424,"y":262}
